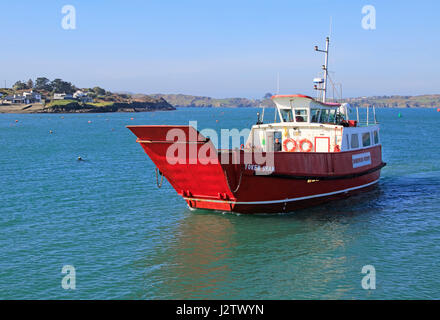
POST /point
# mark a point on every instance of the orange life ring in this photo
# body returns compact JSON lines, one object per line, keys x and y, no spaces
{"x":242,"y":146}
{"x":337,"y":148}
{"x":310,"y":145}
{"x":289,"y":140}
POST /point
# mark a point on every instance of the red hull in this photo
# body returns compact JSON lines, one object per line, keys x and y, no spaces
{"x":299,"y":179}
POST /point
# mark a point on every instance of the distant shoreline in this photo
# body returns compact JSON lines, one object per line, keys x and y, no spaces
{"x":182,"y":100}
{"x":163,"y":102}
{"x":21,"y":108}
{"x":75,"y":107}
{"x":59,"y":96}
{"x":39,"y":109}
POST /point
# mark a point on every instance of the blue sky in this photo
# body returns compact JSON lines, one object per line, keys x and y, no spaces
{"x":223,"y":48}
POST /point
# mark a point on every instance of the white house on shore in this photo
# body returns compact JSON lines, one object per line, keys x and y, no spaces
{"x":24,"y":98}
{"x":32,"y":97}
{"x":80,"y":95}
{"x":62,"y":96}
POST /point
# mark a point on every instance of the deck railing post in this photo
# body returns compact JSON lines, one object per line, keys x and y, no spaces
{"x":374,"y":112}
{"x":368,"y":108}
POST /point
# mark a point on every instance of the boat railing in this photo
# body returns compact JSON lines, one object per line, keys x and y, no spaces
{"x":366,"y":118}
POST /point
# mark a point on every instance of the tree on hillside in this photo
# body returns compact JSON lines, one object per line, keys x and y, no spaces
{"x":99,"y":91}
{"x":30,"y":84}
{"x":61,"y":86}
{"x":42,"y":83}
{"x":268,"y":95}
{"x":19,"y":85}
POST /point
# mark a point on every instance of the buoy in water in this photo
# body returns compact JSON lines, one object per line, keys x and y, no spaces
{"x":80,"y":159}
{"x":438,"y":109}
{"x":131,"y":118}
{"x":399,"y":115}
{"x":50,"y":131}
{"x":89,"y":121}
{"x":16,"y":120}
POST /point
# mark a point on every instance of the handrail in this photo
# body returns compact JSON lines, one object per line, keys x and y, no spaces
{"x":365,"y":120}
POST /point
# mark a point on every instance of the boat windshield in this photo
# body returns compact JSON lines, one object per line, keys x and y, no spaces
{"x":314,"y":113}
{"x":286,"y":114}
{"x":324,"y":115}
{"x":317,"y":115}
{"x":301,"y":115}
{"x":332,"y":116}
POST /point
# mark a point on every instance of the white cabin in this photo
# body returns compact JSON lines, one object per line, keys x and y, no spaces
{"x":308,"y":125}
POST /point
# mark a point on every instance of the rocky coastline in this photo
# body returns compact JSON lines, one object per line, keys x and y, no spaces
{"x":80,"y":107}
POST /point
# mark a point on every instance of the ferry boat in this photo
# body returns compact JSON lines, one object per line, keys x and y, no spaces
{"x":313,"y":154}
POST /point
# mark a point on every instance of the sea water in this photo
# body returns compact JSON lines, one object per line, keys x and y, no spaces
{"x":127,"y":239}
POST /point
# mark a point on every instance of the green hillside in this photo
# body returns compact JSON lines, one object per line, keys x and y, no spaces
{"x":182,"y":100}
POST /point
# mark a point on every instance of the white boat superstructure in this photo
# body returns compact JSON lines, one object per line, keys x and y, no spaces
{"x":314,"y":125}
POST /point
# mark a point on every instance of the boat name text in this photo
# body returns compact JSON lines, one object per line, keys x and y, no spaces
{"x":258,"y":168}
{"x":361,"y":159}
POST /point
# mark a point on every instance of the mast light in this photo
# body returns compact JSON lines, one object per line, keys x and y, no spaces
{"x":318,"y":80}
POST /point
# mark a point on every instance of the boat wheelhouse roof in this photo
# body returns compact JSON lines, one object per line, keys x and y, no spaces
{"x":299,"y":108}
{"x":300,"y":100}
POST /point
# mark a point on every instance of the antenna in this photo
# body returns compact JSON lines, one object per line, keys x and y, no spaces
{"x":330,"y":31}
{"x":325,"y":68}
{"x":278,"y":82}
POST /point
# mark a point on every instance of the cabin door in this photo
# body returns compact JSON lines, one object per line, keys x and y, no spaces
{"x":322,"y":144}
{"x":270,"y":140}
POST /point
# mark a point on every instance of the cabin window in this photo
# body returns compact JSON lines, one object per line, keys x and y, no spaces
{"x":376,"y":137}
{"x":301,"y":115}
{"x":332,"y":116}
{"x":286,"y":114}
{"x":324,"y":115}
{"x":366,"y":140}
{"x":314,"y":114}
{"x":354,"y":141}
{"x":347,"y":141}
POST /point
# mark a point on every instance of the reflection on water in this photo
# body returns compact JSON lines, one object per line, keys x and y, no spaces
{"x":225,"y":256}
{"x":203,"y":246}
